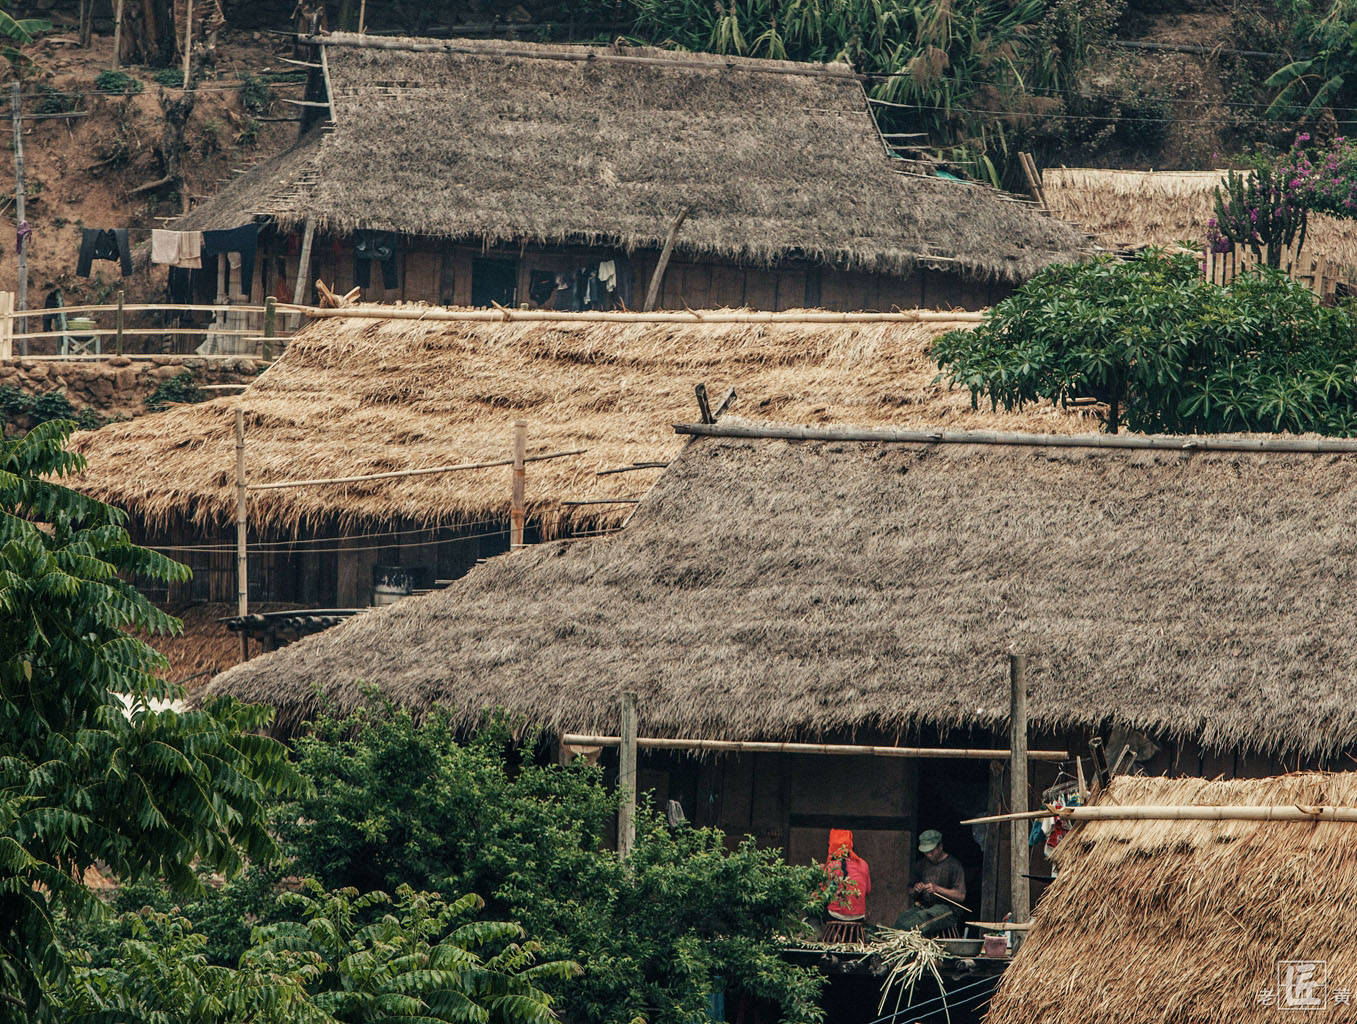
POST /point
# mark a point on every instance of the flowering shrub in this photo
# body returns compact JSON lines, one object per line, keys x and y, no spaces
{"x":1262,"y":211}
{"x":1323,"y":180}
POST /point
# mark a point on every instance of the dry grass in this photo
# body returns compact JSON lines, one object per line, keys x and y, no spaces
{"x":520,"y":149}
{"x":772,"y":589}
{"x":1184,"y":921}
{"x":1129,"y":209}
{"x":352,"y":397}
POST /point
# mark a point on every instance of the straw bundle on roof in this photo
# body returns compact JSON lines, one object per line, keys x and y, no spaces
{"x":1187,"y":921}
{"x":358,"y":396}
{"x":1130,"y":209}
{"x":479,"y":142}
{"x":769,"y":589}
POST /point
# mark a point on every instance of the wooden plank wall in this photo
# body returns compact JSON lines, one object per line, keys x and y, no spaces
{"x":440,"y":274}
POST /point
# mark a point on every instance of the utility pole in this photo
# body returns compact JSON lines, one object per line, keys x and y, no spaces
{"x":21,"y":296}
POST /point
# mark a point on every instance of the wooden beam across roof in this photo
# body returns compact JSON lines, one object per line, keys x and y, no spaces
{"x":847,"y":749}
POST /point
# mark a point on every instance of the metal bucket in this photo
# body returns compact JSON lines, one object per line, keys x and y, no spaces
{"x":390,"y":583}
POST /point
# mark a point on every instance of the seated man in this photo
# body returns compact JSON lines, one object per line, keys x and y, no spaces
{"x":849,"y":902}
{"x":936,"y":874}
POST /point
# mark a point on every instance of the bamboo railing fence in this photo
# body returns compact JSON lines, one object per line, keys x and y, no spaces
{"x":1325,"y":278}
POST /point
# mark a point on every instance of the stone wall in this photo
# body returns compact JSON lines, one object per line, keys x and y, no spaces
{"x":117,"y":387}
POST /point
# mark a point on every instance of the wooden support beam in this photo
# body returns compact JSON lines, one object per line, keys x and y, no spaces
{"x":653,"y":292}
{"x":517,"y":491}
{"x":242,"y":526}
{"x":1182,"y":812}
{"x":1017,"y":785}
{"x":847,"y":749}
{"x":303,"y":266}
{"x":626,"y":777}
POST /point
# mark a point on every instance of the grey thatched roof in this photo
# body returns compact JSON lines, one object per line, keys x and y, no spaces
{"x":769,"y":588}
{"x":474,"y":140}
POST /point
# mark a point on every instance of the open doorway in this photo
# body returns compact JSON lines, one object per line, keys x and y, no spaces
{"x":951,"y":790}
{"x":494,"y":281}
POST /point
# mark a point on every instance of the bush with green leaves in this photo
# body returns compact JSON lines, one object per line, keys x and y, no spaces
{"x":255,"y":94}
{"x":1165,"y":349}
{"x":396,"y":801}
{"x":92,"y":769}
{"x":180,"y":389}
{"x":169,"y":77}
{"x":337,"y":958}
{"x":117,"y":83}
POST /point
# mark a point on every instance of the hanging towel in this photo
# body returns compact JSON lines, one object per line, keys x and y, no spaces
{"x":177,"y":248}
{"x":22,"y":235}
{"x":607,"y":275}
{"x":104,"y":244}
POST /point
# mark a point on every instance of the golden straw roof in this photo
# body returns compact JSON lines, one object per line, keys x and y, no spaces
{"x":1131,"y":209}
{"x":770,"y":589}
{"x":1189,"y":921}
{"x":354,"y":396}
{"x":522,"y":142}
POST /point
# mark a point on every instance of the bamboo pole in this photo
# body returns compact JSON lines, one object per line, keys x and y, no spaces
{"x":6,"y":325}
{"x":653,"y":292}
{"x":1182,"y":812}
{"x":118,"y":321}
{"x":118,"y":34}
{"x":410,"y":472}
{"x":303,"y":267}
{"x":188,"y":41}
{"x":1017,"y":783}
{"x":270,"y":326}
{"x":21,"y":290}
{"x":849,"y":749}
{"x":1131,"y":441}
{"x":156,"y":307}
{"x":242,"y":553}
{"x":519,"y":479}
{"x":599,"y":316}
{"x":626,"y":777}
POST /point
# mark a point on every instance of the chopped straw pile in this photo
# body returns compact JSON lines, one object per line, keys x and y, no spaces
{"x":1186,"y":921}
{"x":358,"y":396}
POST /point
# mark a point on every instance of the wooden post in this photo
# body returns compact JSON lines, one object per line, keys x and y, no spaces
{"x":118,"y":34}
{"x":516,"y":502}
{"x":1099,"y":759}
{"x":21,"y":293}
{"x":118,"y":322}
{"x":188,"y":41}
{"x":362,"y":16}
{"x":270,"y":326}
{"x":1017,"y":781}
{"x":989,"y":873}
{"x":653,"y":292}
{"x":303,"y":268}
{"x":626,"y":777}
{"x":242,"y":554}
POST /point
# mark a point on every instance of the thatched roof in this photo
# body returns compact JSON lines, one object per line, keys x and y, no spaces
{"x":495,"y":142}
{"x":1131,"y":209}
{"x":355,"y":396}
{"x":769,"y":588}
{"x":1186,"y":921}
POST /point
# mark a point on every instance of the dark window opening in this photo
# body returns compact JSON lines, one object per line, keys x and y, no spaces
{"x":494,"y":281}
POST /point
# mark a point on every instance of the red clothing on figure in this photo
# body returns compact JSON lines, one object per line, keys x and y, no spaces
{"x":850,"y":902}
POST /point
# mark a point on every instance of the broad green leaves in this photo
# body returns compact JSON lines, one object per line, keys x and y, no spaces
{"x":1165,"y":350}
{"x":89,"y":773}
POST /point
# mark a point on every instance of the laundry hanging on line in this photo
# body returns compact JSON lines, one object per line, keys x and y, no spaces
{"x":243,"y":240}
{"x":375,"y":247}
{"x":177,"y":248}
{"x":22,"y":235}
{"x":104,"y":244}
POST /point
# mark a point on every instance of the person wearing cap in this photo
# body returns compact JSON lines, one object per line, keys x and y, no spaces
{"x":937,"y":878}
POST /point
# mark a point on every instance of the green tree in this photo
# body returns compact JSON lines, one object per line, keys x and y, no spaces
{"x":685,"y":915}
{"x":94,"y":767}
{"x":342,"y":959}
{"x":1165,"y":349}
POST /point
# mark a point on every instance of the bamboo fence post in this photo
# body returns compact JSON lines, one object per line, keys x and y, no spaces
{"x":516,"y":500}
{"x":242,"y":553}
{"x":6,"y":325}
{"x":626,"y":777}
{"x":118,"y":323}
{"x":1017,"y":745}
{"x":653,"y":292}
{"x":270,"y":326}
